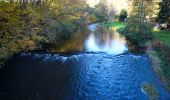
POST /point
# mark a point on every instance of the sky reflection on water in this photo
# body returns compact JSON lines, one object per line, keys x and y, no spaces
{"x":107,"y":40}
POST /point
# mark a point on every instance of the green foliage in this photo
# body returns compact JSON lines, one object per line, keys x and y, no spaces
{"x":139,"y":30}
{"x":164,"y":11}
{"x":163,"y":54}
{"x":101,"y":11}
{"x":118,"y":26}
{"x":114,"y":24}
{"x":162,"y":46}
{"x":135,"y":39}
{"x":138,"y":35}
{"x":123,"y":15}
{"x":162,"y":36}
{"x":138,"y":22}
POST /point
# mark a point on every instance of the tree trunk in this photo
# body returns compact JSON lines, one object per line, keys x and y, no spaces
{"x":168,"y":24}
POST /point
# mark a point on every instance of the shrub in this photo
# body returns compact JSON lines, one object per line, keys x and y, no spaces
{"x":165,"y":57}
{"x":123,"y":15}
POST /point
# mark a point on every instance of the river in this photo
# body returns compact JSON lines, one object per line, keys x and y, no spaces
{"x":95,"y":66}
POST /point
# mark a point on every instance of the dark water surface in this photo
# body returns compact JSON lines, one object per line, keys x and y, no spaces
{"x":102,"y":71}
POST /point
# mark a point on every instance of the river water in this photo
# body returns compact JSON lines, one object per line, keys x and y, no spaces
{"x":100,"y":68}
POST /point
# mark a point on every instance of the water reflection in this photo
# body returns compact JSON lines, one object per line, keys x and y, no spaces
{"x":97,"y":39}
{"x":102,"y":39}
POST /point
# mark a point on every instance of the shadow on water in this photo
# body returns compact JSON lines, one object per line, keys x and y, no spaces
{"x":93,"y":72}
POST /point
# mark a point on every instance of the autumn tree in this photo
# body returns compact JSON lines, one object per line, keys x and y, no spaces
{"x":31,"y":24}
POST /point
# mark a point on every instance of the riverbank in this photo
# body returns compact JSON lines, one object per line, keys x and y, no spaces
{"x":156,"y":49}
{"x":134,"y":42}
{"x":157,"y":64}
{"x":160,"y":56}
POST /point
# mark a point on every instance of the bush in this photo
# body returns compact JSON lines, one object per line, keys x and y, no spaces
{"x":165,"y":57}
{"x":137,"y":43}
{"x":123,"y":15}
{"x":138,"y":33}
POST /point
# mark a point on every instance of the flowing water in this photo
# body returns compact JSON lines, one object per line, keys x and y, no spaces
{"x":101,"y":70}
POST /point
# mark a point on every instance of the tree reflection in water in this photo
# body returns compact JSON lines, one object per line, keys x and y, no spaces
{"x":97,"y":39}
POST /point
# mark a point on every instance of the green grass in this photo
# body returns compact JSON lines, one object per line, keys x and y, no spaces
{"x":162,"y":36}
{"x":115,"y":25}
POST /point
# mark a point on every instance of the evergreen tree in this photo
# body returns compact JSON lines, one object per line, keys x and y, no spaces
{"x":123,"y":15}
{"x":164,"y":12}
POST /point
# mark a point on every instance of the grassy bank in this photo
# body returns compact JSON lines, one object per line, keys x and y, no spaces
{"x":115,"y":25}
{"x":161,"y":46}
{"x":162,"y":36}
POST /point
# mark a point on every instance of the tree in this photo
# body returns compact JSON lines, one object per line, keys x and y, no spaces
{"x":31,"y":24}
{"x":164,"y":13}
{"x":138,"y":21}
{"x":139,"y":28}
{"x":14,"y":28}
{"x":101,"y":11}
{"x":111,"y":13}
{"x":123,"y":15}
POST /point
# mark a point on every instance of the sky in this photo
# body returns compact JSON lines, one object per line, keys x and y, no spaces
{"x":117,"y":4}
